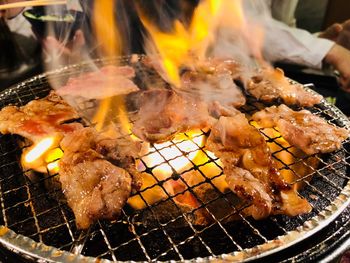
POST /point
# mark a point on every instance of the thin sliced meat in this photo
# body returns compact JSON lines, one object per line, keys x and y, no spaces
{"x":302,"y":129}
{"x":119,"y":150}
{"x":220,"y":66}
{"x":105,"y":82}
{"x":250,"y":169}
{"x":39,"y":118}
{"x":163,"y":113}
{"x":213,"y":87}
{"x":216,"y":110}
{"x":271,"y":84}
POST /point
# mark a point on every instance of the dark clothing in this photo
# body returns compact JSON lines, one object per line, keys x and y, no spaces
{"x":160,"y":12}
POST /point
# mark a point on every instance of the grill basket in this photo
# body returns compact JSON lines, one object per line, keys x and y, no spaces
{"x":38,"y":226}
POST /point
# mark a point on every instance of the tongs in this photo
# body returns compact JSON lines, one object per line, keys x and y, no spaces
{"x":69,"y":3}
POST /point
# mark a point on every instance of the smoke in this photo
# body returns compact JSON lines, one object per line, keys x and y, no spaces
{"x":240,"y":36}
{"x":175,"y":34}
{"x":225,"y":29}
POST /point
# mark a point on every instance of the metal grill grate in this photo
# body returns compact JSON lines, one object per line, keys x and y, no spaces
{"x":31,"y":210}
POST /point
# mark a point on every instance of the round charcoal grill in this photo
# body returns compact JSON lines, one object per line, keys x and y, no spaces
{"x":37,"y":225}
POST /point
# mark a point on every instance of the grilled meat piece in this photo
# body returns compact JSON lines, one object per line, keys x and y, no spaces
{"x":39,"y":118}
{"x":121,"y":151}
{"x":163,"y":113}
{"x":245,"y":185}
{"x":95,"y":187}
{"x":216,"y":110}
{"x":106,"y":82}
{"x":212,"y":87}
{"x":250,"y":170}
{"x":308,"y":132}
{"x":271,"y":85}
{"x":219,"y":66}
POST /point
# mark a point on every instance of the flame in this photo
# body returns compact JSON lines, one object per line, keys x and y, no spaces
{"x":43,"y":156}
{"x":166,"y":159}
{"x":104,"y":23}
{"x":170,"y":155}
{"x":178,"y":156}
{"x":53,"y":167}
{"x":53,"y":155}
{"x":101,"y":114}
{"x":109,"y":38}
{"x":105,"y":113}
{"x":173,"y":48}
{"x":185,"y":45}
{"x":38,"y":150}
{"x":179,"y":47}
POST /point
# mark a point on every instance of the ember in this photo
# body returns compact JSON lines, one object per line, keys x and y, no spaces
{"x":168,"y":158}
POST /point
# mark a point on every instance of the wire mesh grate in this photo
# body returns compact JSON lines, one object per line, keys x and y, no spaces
{"x":166,"y":229}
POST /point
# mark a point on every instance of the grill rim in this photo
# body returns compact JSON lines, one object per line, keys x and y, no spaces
{"x":31,"y":249}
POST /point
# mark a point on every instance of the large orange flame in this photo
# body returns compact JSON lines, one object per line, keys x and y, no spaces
{"x":186,"y":44}
{"x":106,"y":30}
{"x":179,"y":47}
{"x":110,"y":45}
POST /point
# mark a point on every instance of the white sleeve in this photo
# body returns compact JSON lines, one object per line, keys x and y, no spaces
{"x":284,"y":43}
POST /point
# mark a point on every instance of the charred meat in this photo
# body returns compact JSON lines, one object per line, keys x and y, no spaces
{"x":122,"y":152}
{"x":302,"y":129}
{"x":250,"y":170}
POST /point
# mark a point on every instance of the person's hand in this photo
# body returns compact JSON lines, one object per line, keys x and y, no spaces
{"x":64,"y":53}
{"x":339,"y":33}
{"x":339,"y":58}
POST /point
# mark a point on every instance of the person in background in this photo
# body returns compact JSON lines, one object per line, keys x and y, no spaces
{"x":339,"y":33}
{"x":298,"y":46}
{"x":289,"y":44}
{"x":20,"y":52}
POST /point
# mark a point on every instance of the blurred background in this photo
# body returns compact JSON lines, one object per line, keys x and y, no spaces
{"x":23,"y":55}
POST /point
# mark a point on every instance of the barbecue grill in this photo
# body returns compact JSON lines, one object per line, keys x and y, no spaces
{"x":38,"y":225}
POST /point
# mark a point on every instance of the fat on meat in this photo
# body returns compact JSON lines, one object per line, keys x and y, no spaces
{"x":302,"y":129}
{"x":39,"y":118}
{"x":250,"y":169}
{"x":106,"y":82}
{"x":271,"y":84}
